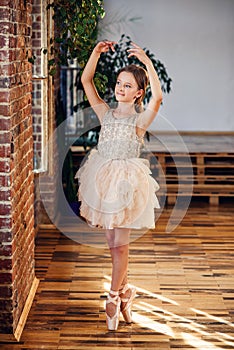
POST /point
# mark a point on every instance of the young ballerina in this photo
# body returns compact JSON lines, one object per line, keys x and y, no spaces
{"x":116,"y":190}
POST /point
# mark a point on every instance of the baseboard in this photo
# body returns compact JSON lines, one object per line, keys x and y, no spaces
{"x":23,"y":318}
{"x":27,"y":307}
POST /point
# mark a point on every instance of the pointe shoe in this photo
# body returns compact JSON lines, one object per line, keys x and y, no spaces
{"x":113,"y":322}
{"x":126,"y":312}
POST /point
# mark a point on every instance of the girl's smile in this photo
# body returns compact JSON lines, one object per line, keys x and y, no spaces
{"x":126,"y":89}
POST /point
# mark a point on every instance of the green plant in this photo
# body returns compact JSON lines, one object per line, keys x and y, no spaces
{"x":76,"y":31}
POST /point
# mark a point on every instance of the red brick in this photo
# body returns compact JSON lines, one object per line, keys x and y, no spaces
{"x":5,"y":110}
{"x":21,"y":16}
{"x":6,"y":3}
{"x":12,"y":42}
{"x":36,"y":9}
{"x":5,"y":278}
{"x":6,"y":27}
{"x":5,"y":150}
{"x":5,"y":249}
{"x":5,"y":264}
{"x":12,"y":54}
{"x":5,"y":14}
{"x":5,"y":180}
{"x":4,"y":41}
{"x":4,"y":55}
{"x":4,"y":166}
{"x":5,"y":195}
{"x":5,"y":209}
{"x":21,"y":41}
{"x":6,"y":291}
{"x":5,"y":237}
{"x":4,"y":95}
{"x":6,"y":305}
{"x":5,"y":124}
{"x":16,"y":91}
{"x":5,"y":138}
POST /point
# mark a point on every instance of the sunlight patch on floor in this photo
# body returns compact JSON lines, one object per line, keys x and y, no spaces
{"x":215,"y":318}
{"x":197,"y":330}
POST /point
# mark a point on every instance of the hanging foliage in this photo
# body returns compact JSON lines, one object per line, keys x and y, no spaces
{"x":76,"y":31}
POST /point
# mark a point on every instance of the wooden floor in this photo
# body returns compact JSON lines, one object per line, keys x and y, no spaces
{"x":184,"y":280}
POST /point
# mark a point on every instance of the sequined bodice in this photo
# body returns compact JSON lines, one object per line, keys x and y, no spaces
{"x":118,"y":138}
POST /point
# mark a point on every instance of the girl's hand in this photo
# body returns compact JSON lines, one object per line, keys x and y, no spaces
{"x":139,"y":53}
{"x":104,"y":46}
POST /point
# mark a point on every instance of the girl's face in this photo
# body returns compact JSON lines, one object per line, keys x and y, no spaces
{"x":126,"y":89}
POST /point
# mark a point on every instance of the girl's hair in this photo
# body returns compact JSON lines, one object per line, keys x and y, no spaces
{"x":142,"y":79}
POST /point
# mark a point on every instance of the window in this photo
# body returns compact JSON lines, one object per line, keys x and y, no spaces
{"x":40,"y":85}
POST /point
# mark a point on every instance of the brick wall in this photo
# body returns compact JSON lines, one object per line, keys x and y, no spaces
{"x":16,"y":162}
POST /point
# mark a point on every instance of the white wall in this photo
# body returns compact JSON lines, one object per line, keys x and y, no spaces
{"x":195,"y":41}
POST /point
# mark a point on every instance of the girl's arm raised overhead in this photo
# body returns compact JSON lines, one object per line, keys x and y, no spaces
{"x":99,"y":105}
{"x":146,"y":117}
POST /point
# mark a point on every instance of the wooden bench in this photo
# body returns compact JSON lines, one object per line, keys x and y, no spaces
{"x":207,"y":174}
{"x":210,"y":174}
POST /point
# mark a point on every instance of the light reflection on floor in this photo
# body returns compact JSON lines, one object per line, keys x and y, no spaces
{"x":187,"y":329}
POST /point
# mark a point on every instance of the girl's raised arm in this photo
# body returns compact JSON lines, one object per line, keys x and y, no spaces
{"x":97,"y":103}
{"x":146,"y":117}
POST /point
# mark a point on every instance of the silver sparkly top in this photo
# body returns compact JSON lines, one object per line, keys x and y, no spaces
{"x":118,"y":138}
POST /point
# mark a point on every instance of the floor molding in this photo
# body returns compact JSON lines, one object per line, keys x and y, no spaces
{"x":27,"y":307}
{"x":23,"y":318}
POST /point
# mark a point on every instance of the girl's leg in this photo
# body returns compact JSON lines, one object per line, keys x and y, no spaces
{"x":110,"y":235}
{"x":128,"y":292}
{"x":118,"y":241}
{"x":125,"y":280}
{"x":119,"y":253}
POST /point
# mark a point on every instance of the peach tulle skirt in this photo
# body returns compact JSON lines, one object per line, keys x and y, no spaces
{"x":117,"y":192}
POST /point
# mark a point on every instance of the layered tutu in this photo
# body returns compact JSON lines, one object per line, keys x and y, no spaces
{"x":117,"y":192}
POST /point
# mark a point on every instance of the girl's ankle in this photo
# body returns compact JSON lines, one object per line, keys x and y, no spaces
{"x":123,"y":288}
